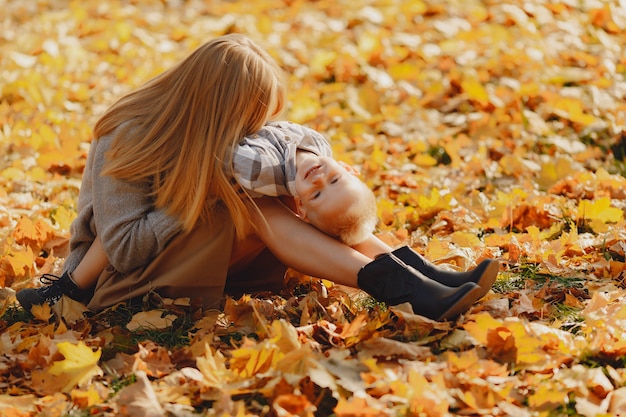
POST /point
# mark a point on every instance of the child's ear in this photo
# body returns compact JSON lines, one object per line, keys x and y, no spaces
{"x":300,"y":210}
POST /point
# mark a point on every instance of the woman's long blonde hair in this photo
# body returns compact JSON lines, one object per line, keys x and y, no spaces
{"x":179,"y":129}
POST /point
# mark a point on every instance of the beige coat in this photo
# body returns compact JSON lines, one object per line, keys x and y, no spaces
{"x":147,"y":250}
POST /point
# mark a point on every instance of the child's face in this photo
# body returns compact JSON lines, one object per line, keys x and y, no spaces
{"x":325,"y":188}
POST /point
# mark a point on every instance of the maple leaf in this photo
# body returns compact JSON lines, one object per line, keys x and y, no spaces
{"x":294,"y":405}
{"x":20,"y":261}
{"x":153,"y":359}
{"x":599,"y":212}
{"x":356,"y":406}
{"x":42,"y":312}
{"x":32,"y":233}
{"x":546,"y":397}
{"x":426,"y":397}
{"x":70,"y":310}
{"x":78,"y":367}
{"x":254,"y":358}
{"x":85,"y":398}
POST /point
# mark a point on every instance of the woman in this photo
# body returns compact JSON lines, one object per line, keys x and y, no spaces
{"x":159,"y":196}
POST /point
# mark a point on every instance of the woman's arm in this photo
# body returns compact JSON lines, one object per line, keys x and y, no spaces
{"x":131,"y":229}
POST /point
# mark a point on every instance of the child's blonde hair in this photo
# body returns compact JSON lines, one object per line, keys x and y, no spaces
{"x":179,"y":129}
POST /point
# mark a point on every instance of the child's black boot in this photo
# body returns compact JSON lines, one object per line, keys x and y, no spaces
{"x":484,"y":275}
{"x":390,"y":280}
{"x":52,"y":291}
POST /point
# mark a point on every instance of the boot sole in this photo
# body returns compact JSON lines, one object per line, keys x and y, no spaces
{"x":488,"y":277}
{"x":483,"y":286}
{"x":462,"y":305}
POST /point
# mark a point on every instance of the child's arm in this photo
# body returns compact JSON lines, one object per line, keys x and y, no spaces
{"x":258,"y":164}
{"x":90,"y":267}
{"x":264,"y":163}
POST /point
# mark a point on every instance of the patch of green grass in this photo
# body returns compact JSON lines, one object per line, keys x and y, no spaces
{"x":369,"y":303}
{"x":440,"y":154}
{"x":566,"y":282}
{"x":571,"y":317}
{"x":177,"y":335}
{"x":594,"y":360}
{"x":527,"y":270}
{"x":566,"y":410}
{"x":119,"y":383}
{"x":505,"y":284}
{"x":76,"y":412}
{"x":530,"y":272}
{"x":619,"y":168}
{"x":14,"y":314}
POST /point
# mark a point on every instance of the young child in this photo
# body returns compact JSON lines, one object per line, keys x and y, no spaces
{"x":287,"y":159}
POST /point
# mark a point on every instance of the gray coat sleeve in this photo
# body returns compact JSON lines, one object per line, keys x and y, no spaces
{"x":132,"y":230}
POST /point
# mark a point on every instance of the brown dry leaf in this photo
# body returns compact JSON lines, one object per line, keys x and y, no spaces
{"x":393,"y":349}
{"x":17,"y":406}
{"x":618,"y":402}
{"x":293,"y":405}
{"x":70,"y":310}
{"x":139,"y":399}
{"x":152,"y":359}
{"x":151,"y":320}
{"x":32,"y":233}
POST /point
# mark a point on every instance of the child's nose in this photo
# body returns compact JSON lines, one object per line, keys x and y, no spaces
{"x":318,"y":178}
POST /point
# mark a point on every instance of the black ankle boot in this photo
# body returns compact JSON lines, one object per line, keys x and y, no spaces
{"x":52,"y":291}
{"x":390,"y":280}
{"x":484,"y":274}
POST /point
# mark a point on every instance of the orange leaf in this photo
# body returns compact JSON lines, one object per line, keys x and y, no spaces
{"x":20,"y":261}
{"x":354,"y":407}
{"x":33,"y":234}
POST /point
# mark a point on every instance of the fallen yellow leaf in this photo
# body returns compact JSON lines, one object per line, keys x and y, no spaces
{"x":78,"y":367}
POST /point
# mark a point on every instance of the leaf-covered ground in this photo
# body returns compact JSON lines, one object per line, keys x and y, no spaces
{"x":486,"y":129}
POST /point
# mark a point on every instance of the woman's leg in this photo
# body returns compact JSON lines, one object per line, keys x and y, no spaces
{"x":306,"y":249}
{"x":253,"y":268}
{"x":372,"y":247}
